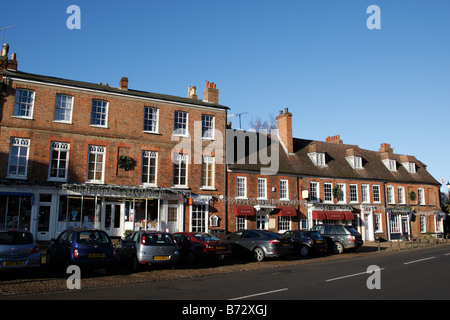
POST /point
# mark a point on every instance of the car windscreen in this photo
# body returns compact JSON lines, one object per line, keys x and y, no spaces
{"x":92,"y":237}
{"x":157,"y":239}
{"x":15,"y":237}
{"x":314,"y":234}
{"x":205,"y":237}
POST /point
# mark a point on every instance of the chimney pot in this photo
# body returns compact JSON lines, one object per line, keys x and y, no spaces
{"x":284,"y":126}
{"x":5,"y":50}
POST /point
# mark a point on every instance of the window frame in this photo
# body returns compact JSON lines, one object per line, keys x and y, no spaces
{"x":64,"y":110}
{"x":146,"y":120}
{"x":27,"y":106}
{"x":284,"y":189}
{"x":178,"y":129}
{"x":58,"y":147}
{"x":261,"y":189}
{"x":243,"y":180}
{"x":150,"y":155}
{"x":206,"y":129}
{"x":179,"y":160}
{"x":19,"y":143}
{"x":103,"y":115}
{"x":96,"y":150}
{"x":209,"y":162}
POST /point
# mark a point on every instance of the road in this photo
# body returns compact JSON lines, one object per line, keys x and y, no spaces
{"x":410,"y":274}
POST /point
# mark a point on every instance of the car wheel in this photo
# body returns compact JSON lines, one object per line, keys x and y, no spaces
{"x":304,"y":251}
{"x":338,"y":248}
{"x":258,"y":254}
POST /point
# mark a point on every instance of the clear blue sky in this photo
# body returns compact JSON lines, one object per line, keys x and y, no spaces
{"x":316,"y":57}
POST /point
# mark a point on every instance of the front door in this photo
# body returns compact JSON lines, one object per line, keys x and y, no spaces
{"x":113,"y":219}
{"x":43,"y":223}
{"x":172,"y":218}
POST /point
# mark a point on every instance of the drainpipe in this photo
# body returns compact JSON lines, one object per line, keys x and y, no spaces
{"x":388,"y":233}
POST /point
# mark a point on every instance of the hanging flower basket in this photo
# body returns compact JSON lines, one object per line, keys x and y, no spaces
{"x":336,"y":192}
{"x":125,"y":163}
{"x":412,"y":195}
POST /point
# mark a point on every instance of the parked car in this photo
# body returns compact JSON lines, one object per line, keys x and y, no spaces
{"x":193,"y":246}
{"x":148,"y":247}
{"x":306,"y":242}
{"x":18,"y":250}
{"x":260,"y":243}
{"x":339,"y":237}
{"x":89,"y":248}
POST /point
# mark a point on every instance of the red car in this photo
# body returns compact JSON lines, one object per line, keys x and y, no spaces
{"x":194,"y":246}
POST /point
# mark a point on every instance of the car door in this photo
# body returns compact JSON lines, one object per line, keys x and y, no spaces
{"x":235,"y":239}
{"x":128,"y":247}
{"x":250,"y":240}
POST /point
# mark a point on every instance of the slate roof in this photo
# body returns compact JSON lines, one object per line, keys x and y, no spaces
{"x":337,"y":166}
{"x":108,"y":89}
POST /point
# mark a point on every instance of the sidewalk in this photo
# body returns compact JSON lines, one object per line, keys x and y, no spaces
{"x":373,"y":246}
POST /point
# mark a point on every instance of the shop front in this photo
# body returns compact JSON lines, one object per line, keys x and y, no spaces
{"x":48,"y":211}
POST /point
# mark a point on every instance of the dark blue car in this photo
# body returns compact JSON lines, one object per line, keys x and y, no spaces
{"x":91,"y":248}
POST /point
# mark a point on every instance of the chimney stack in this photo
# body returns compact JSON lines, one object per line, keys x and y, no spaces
{"x":191,"y":92}
{"x":386,"y":147}
{"x":123,"y":83}
{"x":284,"y":126}
{"x":334,"y":139}
{"x":211,"y":93}
{"x":5,"y":63}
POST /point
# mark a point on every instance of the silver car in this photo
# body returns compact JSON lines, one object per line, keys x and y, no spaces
{"x":18,"y":250}
{"x":148,"y":247}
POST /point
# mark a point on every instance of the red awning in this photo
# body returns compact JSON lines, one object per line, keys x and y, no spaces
{"x":349,"y":215}
{"x":243,"y":210}
{"x":319,"y":215}
{"x":335,"y":215}
{"x":287,"y":212}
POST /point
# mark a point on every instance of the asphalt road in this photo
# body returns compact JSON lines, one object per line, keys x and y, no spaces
{"x":411,"y":274}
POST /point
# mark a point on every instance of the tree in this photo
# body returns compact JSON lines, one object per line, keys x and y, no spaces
{"x":257,"y":123}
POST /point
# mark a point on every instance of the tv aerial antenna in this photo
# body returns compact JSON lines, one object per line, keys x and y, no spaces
{"x":238,"y":115}
{"x":3,"y":32}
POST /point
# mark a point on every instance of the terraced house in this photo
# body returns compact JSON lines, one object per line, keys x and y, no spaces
{"x":380,"y":193}
{"x":81,"y":154}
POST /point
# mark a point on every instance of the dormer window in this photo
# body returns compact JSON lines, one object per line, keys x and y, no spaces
{"x":411,"y":167}
{"x":355,"y":162}
{"x":390,"y":164}
{"x":318,"y":158}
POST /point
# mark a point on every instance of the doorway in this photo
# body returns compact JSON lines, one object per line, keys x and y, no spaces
{"x":43,"y":223}
{"x":113,"y":219}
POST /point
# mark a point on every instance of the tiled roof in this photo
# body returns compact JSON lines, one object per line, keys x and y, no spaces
{"x":337,"y":166}
{"x":108,"y":89}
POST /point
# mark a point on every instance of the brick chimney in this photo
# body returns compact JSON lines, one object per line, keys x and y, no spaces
{"x":211,"y":93}
{"x":284,"y":126}
{"x":10,"y":64}
{"x":386,"y":147}
{"x":334,"y":139}
{"x":123,"y":83}
{"x":191,"y":93}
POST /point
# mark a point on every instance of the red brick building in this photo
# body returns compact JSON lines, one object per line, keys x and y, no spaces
{"x":93,"y":155}
{"x":378,"y":192}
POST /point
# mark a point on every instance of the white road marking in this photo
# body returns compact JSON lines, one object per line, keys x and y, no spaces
{"x":414,"y":261}
{"x":352,"y":275}
{"x":259,"y":294}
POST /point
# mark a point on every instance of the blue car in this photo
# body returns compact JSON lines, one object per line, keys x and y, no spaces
{"x":89,"y":248}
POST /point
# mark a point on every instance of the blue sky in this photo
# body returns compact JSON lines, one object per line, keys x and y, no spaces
{"x":316,"y":57}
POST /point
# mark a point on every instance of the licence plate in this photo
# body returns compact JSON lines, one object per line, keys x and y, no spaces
{"x":220,"y":248}
{"x":319,"y":241}
{"x":286,"y":244}
{"x":161,"y":258}
{"x":96,"y":255}
{"x":14,"y":263}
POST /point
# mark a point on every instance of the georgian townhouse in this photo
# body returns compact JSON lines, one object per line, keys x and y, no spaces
{"x":93,"y":155}
{"x":379,"y":192}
